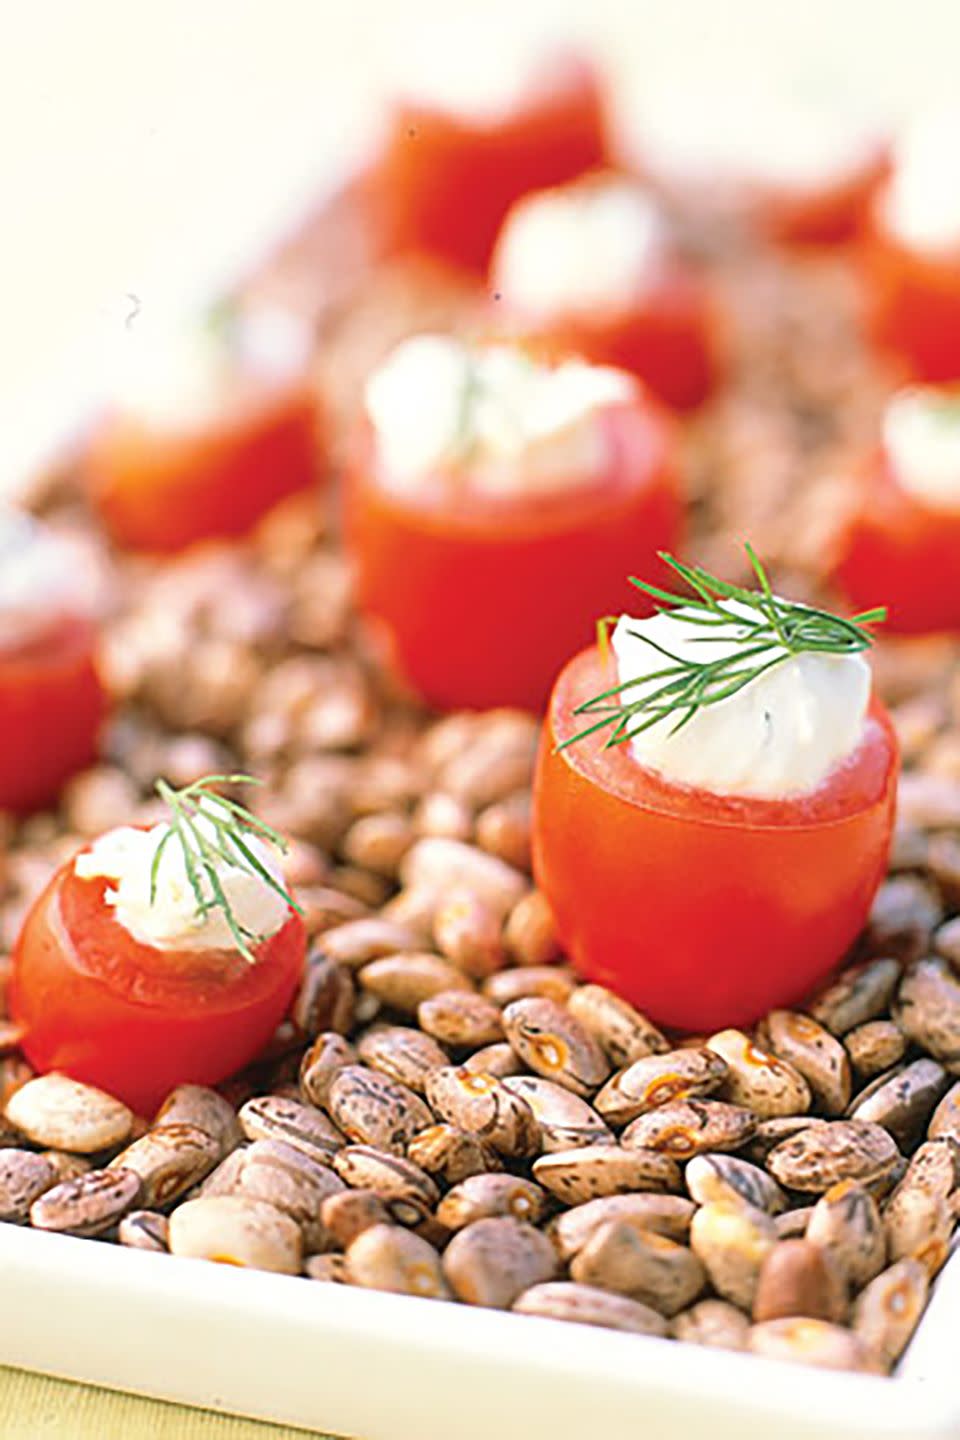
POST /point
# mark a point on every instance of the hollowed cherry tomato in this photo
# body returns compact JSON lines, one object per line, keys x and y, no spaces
{"x":914,"y":302}
{"x":52,"y":704}
{"x":163,"y":486}
{"x":482,"y":598}
{"x":444,"y":180}
{"x":895,"y":545}
{"x":704,"y":910}
{"x":137,"y":1021}
{"x":830,"y":213}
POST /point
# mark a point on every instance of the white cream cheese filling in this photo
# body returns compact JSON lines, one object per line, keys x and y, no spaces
{"x":512,"y":423}
{"x":41,"y":576}
{"x":779,"y":736}
{"x":921,"y":205}
{"x":921,"y":436}
{"x":169,"y":921}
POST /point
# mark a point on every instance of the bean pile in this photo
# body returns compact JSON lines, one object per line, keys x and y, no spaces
{"x":448,"y":1112}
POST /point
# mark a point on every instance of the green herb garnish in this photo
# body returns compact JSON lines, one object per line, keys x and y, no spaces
{"x":221,"y":837}
{"x":775,"y":630}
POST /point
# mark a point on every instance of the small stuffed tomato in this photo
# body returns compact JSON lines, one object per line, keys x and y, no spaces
{"x":52,"y":702}
{"x":713,"y":872}
{"x":208,"y":432}
{"x":902,"y":535}
{"x":912,"y":255}
{"x":589,"y":268}
{"x":137,"y":995}
{"x":470,"y":132}
{"x":489,"y":499}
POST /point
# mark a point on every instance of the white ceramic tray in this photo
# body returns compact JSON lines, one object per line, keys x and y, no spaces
{"x":384,"y":1367}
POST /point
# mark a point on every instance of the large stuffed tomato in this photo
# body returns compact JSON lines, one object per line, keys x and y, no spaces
{"x":135,"y":1020}
{"x":914,"y":300}
{"x":830,"y":211}
{"x":589,"y":269}
{"x":448,"y":172}
{"x":482,"y":597}
{"x":896,"y":543}
{"x":206,"y":446}
{"x":52,"y":704}
{"x":704,"y":910}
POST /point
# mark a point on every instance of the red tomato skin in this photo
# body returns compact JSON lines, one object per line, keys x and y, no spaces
{"x":832,"y":214}
{"x":482,"y":600}
{"x":670,"y":337}
{"x":52,"y":706}
{"x":703,"y":910}
{"x":104,"y":1009}
{"x":893,"y":545}
{"x":913,"y":303}
{"x":443,"y":184}
{"x":162,"y":490}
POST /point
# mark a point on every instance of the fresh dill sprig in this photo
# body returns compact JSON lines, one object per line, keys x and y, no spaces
{"x":775,"y":630}
{"x":222,"y":836}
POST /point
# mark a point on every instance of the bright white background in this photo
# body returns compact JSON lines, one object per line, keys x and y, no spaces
{"x":146,"y":146}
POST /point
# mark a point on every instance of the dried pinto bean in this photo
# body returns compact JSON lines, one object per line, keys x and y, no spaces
{"x":24,"y":1176}
{"x":326,"y":999}
{"x":348,"y":1213}
{"x":874,"y":1047}
{"x":928,"y":1009}
{"x":713,"y":1178}
{"x":814,"y":1053}
{"x":902,"y":1102}
{"x":328,"y":1054}
{"x":792,"y":1224}
{"x":714,"y":1323}
{"x":846,"y":1223}
{"x":439,"y":864}
{"x":276,"y":1117}
{"x":886,"y":1314}
{"x":491,"y":1262}
{"x":565,"y":1121}
{"x":623,"y":1033}
{"x":809,"y":1342}
{"x":657,"y":1080}
{"x":861,"y":993}
{"x":372,"y":1109}
{"x":592,"y":1171}
{"x":483,"y":1106}
{"x":588,"y":1305}
{"x":329,"y":1269}
{"x":668,"y":1215}
{"x":503,"y":829}
{"x":200,"y":1106}
{"x":281,"y":1175}
{"x":552,"y":1043}
{"x":945,"y":1121}
{"x":530,"y":933}
{"x":918,"y":1224}
{"x":733,"y":1241}
{"x":64,"y":1114}
{"x":144,"y":1230}
{"x":648,"y":1267}
{"x":837,"y":1150}
{"x":404,"y":981}
{"x":87,"y":1205}
{"x":169,"y":1160}
{"x":461,"y":1019}
{"x":500,"y":1060}
{"x":404,"y":1054}
{"x":468,"y":932}
{"x":757,"y":1079}
{"x":451,"y":1153}
{"x":482,"y":1196}
{"x":408,"y":1192}
{"x":358,"y":942}
{"x":799,"y":1278}
{"x":388,"y":1257}
{"x":691,"y":1127}
{"x":548,"y":982}
{"x":235,"y":1230}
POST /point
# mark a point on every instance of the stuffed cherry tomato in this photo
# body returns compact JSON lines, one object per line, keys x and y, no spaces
{"x":800,"y":171}
{"x":487,"y":500}
{"x":472,"y":131}
{"x":52,"y":702}
{"x":207,"y":434}
{"x":913,"y":252}
{"x":711,"y":872}
{"x":589,"y":268}
{"x":138,"y":992}
{"x":903,"y":533}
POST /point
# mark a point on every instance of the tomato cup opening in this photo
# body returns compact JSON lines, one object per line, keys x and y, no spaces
{"x":894,"y":546}
{"x":913,"y":301}
{"x":670,"y":335}
{"x":482,"y":598}
{"x":160,"y":490}
{"x":136,"y":1021}
{"x":703,"y":910}
{"x":833,"y":213}
{"x":444,"y":183}
{"x":52,"y":707}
